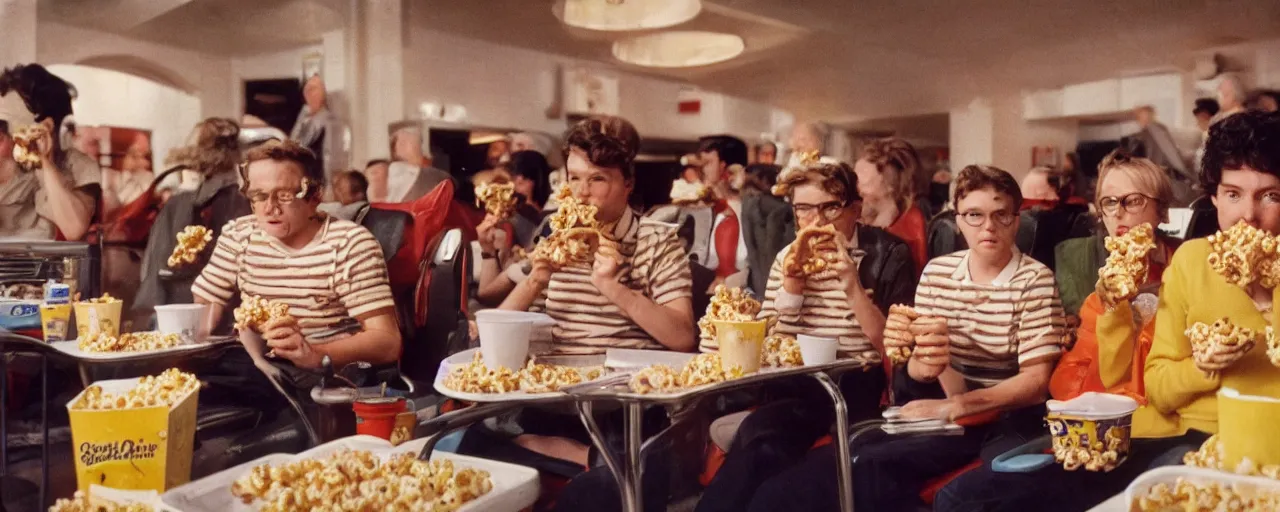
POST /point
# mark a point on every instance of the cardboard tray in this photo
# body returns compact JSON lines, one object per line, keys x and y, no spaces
{"x":514,"y":487}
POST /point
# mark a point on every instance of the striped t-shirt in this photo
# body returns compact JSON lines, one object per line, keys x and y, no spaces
{"x":995,"y":328}
{"x":821,"y":310}
{"x":654,"y":264}
{"x":340,"y":274}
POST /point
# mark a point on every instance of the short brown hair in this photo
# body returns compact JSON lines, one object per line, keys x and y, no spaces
{"x":835,"y":178}
{"x":286,"y":151}
{"x":608,"y":141}
{"x":900,"y":155}
{"x":978,"y":177}
{"x":214,"y":147}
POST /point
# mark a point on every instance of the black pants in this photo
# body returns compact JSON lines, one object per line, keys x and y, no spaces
{"x":591,"y":489}
{"x":889,"y":473}
{"x":777,"y":436}
{"x":1054,"y":488}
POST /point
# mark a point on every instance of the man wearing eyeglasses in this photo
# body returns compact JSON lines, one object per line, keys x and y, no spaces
{"x":328,"y":271}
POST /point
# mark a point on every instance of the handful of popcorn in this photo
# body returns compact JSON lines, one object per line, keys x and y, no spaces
{"x":575,"y":232}
{"x":814,"y":251}
{"x":898,"y":340}
{"x":498,"y":199}
{"x":933,"y":345}
{"x":781,"y":351}
{"x":1126,"y":267}
{"x":256,"y":312}
{"x":191,"y":241}
{"x":1244,"y":254}
{"x":1215,"y":347}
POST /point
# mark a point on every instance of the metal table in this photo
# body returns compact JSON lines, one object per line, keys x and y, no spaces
{"x":14,"y":344}
{"x":628,"y":471}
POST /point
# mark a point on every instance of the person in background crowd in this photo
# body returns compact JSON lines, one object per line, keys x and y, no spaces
{"x":410,"y":174}
{"x":121,"y":187}
{"x":498,"y":152}
{"x":327,"y":270}
{"x":531,"y":176}
{"x":759,"y":179}
{"x":1266,"y":101}
{"x":806,"y":138}
{"x":887,"y":170}
{"x":58,"y":193}
{"x":350,"y":190}
{"x":212,"y":154}
{"x":87,"y":141}
{"x":1232,"y":95}
{"x":376,"y":172}
{"x":1108,"y":356}
{"x":765,"y":153}
{"x":316,"y":127}
{"x":723,"y":159}
{"x":1161,"y":149}
{"x":834,"y":304}
{"x":636,"y":294}
{"x":1205,"y":109}
{"x":1006,"y":331}
{"x":692,"y":168}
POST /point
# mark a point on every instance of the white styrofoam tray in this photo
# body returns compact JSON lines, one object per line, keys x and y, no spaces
{"x":514,"y":487}
{"x":72,"y":348}
{"x":128,"y":497}
{"x":466,"y":356}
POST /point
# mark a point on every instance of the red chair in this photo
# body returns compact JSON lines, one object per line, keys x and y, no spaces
{"x":430,"y":215}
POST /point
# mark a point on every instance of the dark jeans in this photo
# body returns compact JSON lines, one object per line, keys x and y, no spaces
{"x":1054,"y":488}
{"x":888,"y":475}
{"x":777,"y":436}
{"x":589,"y":489}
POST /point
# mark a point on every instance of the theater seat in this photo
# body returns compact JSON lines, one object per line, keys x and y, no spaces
{"x":943,"y":236}
{"x":1204,"y":219}
{"x":440,"y":315}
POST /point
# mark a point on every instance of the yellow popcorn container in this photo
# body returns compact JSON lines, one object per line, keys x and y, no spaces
{"x":144,"y":448}
{"x":741,"y":343}
{"x":98,"y":316}
{"x":1246,"y":428}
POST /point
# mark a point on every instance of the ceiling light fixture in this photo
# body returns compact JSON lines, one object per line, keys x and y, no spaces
{"x":625,"y":15}
{"x":678,"y":49}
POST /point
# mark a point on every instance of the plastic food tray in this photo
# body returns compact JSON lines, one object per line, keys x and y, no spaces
{"x":72,"y":348}
{"x":466,"y":356}
{"x":1171,"y":474}
{"x":514,"y":487}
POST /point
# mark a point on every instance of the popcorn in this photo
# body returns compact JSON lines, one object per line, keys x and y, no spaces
{"x":898,"y":340}
{"x":1273,"y":346}
{"x":1244,"y":254}
{"x":106,"y":298}
{"x":26,"y":148}
{"x":781,"y":351}
{"x":80,"y":502}
{"x":655,"y":379}
{"x":255,"y":312}
{"x":475,"y":377}
{"x":1101,"y":455}
{"x":99,"y":341}
{"x":1126,"y":266}
{"x":814,"y":251}
{"x":498,"y":199}
{"x":1206,"y":496}
{"x":575,"y":234}
{"x":732,"y":304}
{"x":1215,"y":347}
{"x":191,"y":241}
{"x":1210,"y":456}
{"x":701,"y":370}
{"x":165,"y":389}
{"x":350,"y":480}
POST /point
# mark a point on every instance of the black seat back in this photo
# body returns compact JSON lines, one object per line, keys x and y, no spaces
{"x":944,"y":235}
{"x":440,"y":308}
{"x":1204,"y":219}
{"x":388,"y":227}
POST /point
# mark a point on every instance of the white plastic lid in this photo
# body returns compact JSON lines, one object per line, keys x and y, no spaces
{"x":1095,"y":406}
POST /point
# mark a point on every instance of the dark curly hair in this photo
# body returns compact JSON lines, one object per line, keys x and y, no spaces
{"x":608,"y":141}
{"x":1246,"y":140}
{"x":978,"y":177}
{"x":44,"y":94}
{"x":730,"y":149}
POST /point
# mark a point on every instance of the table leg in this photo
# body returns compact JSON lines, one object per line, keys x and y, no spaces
{"x":635,"y":463}
{"x":620,"y":476}
{"x":4,"y":416}
{"x":44,"y":427}
{"x":844,"y":466}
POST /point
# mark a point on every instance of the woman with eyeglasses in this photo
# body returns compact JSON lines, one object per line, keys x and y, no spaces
{"x":1005,"y":332}
{"x":847,"y":302}
{"x":1108,"y":355}
{"x":327,"y":270}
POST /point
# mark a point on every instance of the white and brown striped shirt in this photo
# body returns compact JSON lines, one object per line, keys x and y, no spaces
{"x":654,"y":264}
{"x":821,"y":310}
{"x":340,"y":274}
{"x":995,"y":328}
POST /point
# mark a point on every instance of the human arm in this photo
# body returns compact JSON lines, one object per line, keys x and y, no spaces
{"x":668,"y":316}
{"x":524,"y":293}
{"x":1171,"y":377}
{"x":494,"y":284}
{"x":378,"y":342}
{"x":68,"y":203}
{"x":1117,"y":338}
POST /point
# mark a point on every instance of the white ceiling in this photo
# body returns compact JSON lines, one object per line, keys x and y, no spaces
{"x":837,"y":60}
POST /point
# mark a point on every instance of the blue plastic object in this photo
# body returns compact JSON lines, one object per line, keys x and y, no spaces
{"x":1028,"y":458}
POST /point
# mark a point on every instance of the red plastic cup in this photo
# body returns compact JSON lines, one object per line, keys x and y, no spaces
{"x":377,"y":416}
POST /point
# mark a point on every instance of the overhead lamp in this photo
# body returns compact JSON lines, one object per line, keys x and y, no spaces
{"x":625,"y":15}
{"x":678,"y":49}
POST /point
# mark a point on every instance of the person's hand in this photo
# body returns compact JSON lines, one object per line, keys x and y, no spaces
{"x":945,"y":409}
{"x":540,"y":272}
{"x":486,"y":234}
{"x":607,"y":264}
{"x":284,"y":338}
{"x":44,"y":143}
{"x":846,"y":268}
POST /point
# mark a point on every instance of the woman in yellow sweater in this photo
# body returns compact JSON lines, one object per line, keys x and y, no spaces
{"x":1242,"y":172}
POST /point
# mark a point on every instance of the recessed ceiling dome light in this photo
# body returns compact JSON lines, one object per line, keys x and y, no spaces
{"x":625,"y":15}
{"x":678,"y":49}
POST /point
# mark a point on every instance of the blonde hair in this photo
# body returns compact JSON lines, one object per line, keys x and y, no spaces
{"x":1150,"y":178}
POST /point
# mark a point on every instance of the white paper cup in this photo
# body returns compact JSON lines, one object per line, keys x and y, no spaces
{"x":504,"y":339}
{"x":181,"y":319}
{"x":816,"y":350}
